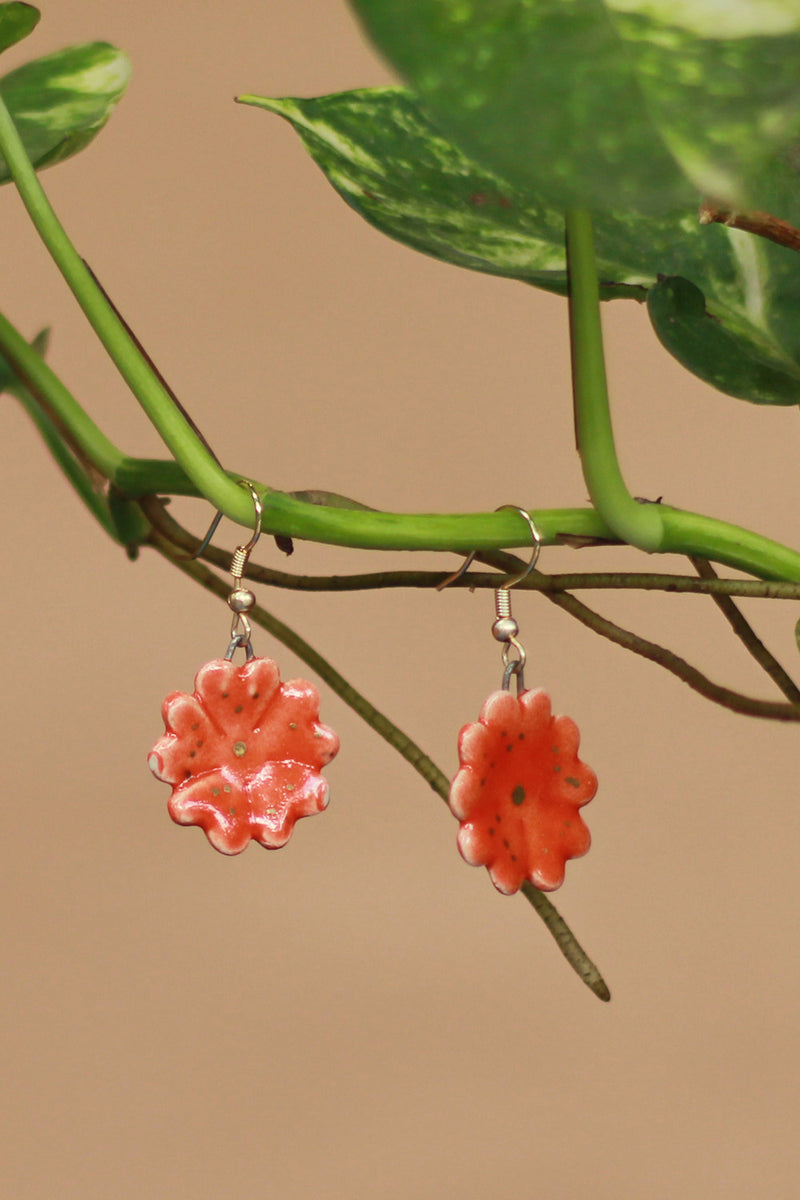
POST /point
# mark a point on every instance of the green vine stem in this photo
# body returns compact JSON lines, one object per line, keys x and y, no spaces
{"x":649,"y":526}
{"x":639,"y":524}
{"x":537,"y":581}
{"x":177,"y":433}
{"x":175,"y":535}
{"x":71,"y":466}
{"x":568,"y":944}
{"x":364,"y":528}
{"x":75,"y":426}
{"x":617,"y":516}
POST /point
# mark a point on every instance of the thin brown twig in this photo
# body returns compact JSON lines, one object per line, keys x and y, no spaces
{"x":717,"y":693}
{"x":737,"y":702}
{"x":763,"y":224}
{"x":748,"y":636}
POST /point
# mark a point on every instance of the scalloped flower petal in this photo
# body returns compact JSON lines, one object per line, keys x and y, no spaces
{"x":244,"y":754}
{"x":518,"y":792}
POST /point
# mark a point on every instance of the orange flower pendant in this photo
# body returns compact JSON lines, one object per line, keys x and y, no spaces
{"x":518,"y":792}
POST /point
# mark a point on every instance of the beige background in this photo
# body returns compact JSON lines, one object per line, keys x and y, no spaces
{"x":362,"y":1015}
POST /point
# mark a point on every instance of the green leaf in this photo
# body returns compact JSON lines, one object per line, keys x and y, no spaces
{"x":721,"y":84}
{"x":16,"y":22}
{"x":389,"y":163}
{"x":610,"y":104}
{"x":61,"y":102}
{"x":736,"y":363}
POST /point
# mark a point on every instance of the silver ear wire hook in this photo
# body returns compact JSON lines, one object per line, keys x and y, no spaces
{"x":241,"y":599}
{"x":212,"y":529}
{"x":524,"y":573}
{"x":505,"y":627}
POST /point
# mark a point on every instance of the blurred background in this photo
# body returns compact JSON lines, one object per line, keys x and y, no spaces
{"x":362,"y":1014}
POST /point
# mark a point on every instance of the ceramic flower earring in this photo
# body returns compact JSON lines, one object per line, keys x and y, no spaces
{"x":520,"y":784}
{"x":244,"y":752}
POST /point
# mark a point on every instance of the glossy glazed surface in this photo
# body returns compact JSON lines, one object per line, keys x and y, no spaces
{"x":244,"y":754}
{"x":518,"y":792}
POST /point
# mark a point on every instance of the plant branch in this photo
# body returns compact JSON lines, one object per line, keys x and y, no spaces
{"x":763,"y":224}
{"x":726,"y":697}
{"x":618,"y":517}
{"x":744,"y":630}
{"x":73,"y":469}
{"x":537,"y":582}
{"x":174,"y":533}
{"x":572,"y":950}
{"x":177,"y":432}
{"x":87,"y":442}
{"x":365,"y":528}
{"x":635,"y":523}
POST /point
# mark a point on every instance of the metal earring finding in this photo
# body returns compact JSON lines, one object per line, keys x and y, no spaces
{"x":505,"y":627}
{"x":241,"y":599}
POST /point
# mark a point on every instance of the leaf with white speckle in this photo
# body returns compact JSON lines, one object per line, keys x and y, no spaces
{"x":61,"y":102}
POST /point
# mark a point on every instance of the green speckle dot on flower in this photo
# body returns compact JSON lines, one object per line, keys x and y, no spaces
{"x":518,"y":795}
{"x":239,"y":748}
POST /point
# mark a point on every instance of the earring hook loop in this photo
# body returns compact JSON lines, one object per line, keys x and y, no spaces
{"x":242,"y":553}
{"x":505,"y":627}
{"x":241,"y":599}
{"x":536,"y":539}
{"x":212,"y":529}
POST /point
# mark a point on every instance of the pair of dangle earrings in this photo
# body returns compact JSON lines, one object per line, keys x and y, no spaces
{"x":244,"y":753}
{"x":520,"y":783}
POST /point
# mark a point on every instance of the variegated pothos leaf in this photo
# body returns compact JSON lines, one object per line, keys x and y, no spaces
{"x":610,"y":104}
{"x":61,"y":102}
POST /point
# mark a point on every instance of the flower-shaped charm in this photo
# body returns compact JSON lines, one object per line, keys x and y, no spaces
{"x":244,"y":754}
{"x":518,"y":792}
